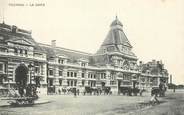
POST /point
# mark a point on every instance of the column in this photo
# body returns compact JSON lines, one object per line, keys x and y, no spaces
{"x":86,"y":78}
{"x":45,"y":73}
{"x":56,"y":75}
{"x":65,"y":77}
{"x":158,"y":81}
{"x":79,"y":78}
{"x":107,"y":79}
{"x":98,"y":82}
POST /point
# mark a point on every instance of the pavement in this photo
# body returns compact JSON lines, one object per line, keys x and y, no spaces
{"x":91,"y":105}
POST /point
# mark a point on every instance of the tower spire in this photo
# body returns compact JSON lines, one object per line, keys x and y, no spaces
{"x":3,"y":19}
{"x":116,"y":17}
{"x":3,"y":16}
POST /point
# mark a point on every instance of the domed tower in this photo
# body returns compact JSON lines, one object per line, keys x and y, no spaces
{"x":116,"y":48}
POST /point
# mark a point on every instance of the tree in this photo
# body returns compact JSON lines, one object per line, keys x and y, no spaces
{"x":21,"y":75}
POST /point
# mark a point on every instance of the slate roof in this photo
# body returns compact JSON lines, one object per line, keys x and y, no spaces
{"x":116,"y":35}
{"x":72,"y":55}
{"x":116,"y":22}
{"x":116,"y":41}
{"x":7,"y":34}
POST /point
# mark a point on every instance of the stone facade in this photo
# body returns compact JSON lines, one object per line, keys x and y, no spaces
{"x":114,"y":65}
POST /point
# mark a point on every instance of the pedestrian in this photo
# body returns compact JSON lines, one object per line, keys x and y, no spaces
{"x":78,"y":91}
{"x":59,"y":91}
{"x":154,"y":99}
{"x":75,"y":92}
{"x":141,"y":91}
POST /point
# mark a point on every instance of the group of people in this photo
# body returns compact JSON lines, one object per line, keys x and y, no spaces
{"x":155,"y":92}
{"x":84,"y":91}
{"x":28,"y":91}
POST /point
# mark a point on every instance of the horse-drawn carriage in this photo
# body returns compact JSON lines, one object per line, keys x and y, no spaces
{"x":97,"y":91}
{"x":130,"y":91}
{"x":158,"y":91}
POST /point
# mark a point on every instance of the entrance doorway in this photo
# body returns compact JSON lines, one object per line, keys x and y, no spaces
{"x":119,"y":84}
{"x":21,"y":75}
{"x":103,"y":85}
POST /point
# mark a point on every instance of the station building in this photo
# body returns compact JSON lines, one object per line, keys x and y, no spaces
{"x":114,"y":65}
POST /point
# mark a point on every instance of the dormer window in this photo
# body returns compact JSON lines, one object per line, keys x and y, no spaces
{"x":61,"y":61}
{"x":104,"y":50}
{"x":21,"y":51}
{"x":14,"y":29}
{"x":25,"y":52}
{"x":110,"y":48}
{"x":83,"y":64}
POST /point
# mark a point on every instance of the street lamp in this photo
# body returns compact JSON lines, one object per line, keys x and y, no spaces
{"x":30,"y":66}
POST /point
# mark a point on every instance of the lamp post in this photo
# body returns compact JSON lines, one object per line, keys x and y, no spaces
{"x":30,"y":66}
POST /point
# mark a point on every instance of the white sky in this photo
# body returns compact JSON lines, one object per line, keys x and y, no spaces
{"x":155,"y":28}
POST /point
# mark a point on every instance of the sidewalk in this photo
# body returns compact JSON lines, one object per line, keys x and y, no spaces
{"x":40,"y":100}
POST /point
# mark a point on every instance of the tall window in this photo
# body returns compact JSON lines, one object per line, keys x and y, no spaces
{"x":83,"y":64}
{"x":51,"y":72}
{"x":68,"y":74}
{"x":75,"y":74}
{"x":37,"y":70}
{"x":60,"y":82}
{"x":25,"y":52}
{"x":1,"y":67}
{"x":83,"y":83}
{"x":61,"y":61}
{"x":82,"y":75}
{"x":21,"y":51}
{"x":50,"y":82}
{"x":60,"y":73}
{"x":71,"y":83}
{"x":75,"y":83}
{"x":68,"y":83}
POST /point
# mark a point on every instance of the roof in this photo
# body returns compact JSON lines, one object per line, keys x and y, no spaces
{"x":116,"y":36}
{"x":73,"y":55}
{"x":7,"y":34}
{"x":116,"y":41}
{"x":116,"y":22}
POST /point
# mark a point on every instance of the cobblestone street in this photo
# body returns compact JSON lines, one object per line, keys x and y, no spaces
{"x":85,"y":105}
{"x":172,"y":104}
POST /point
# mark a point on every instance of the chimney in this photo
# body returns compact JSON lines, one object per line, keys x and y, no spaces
{"x":53,"y":43}
{"x":170,"y":79}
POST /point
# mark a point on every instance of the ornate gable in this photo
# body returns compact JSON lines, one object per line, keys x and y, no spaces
{"x":22,"y":41}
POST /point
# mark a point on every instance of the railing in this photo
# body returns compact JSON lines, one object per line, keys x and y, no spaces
{"x":23,"y":55}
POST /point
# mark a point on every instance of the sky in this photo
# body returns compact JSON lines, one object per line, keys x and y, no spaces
{"x":155,"y":28}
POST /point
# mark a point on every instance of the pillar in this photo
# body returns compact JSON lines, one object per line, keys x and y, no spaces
{"x":107,"y":79}
{"x":79,"y":78}
{"x":65,"y":77}
{"x":86,"y":78}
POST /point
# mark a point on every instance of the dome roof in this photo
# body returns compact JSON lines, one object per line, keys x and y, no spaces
{"x":116,"y":22}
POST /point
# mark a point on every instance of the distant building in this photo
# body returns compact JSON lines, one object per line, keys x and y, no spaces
{"x":114,"y":65}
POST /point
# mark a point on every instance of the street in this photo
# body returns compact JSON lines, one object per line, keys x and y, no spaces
{"x":98,"y":105}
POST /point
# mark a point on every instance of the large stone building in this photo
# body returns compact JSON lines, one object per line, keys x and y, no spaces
{"x":114,"y":65}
